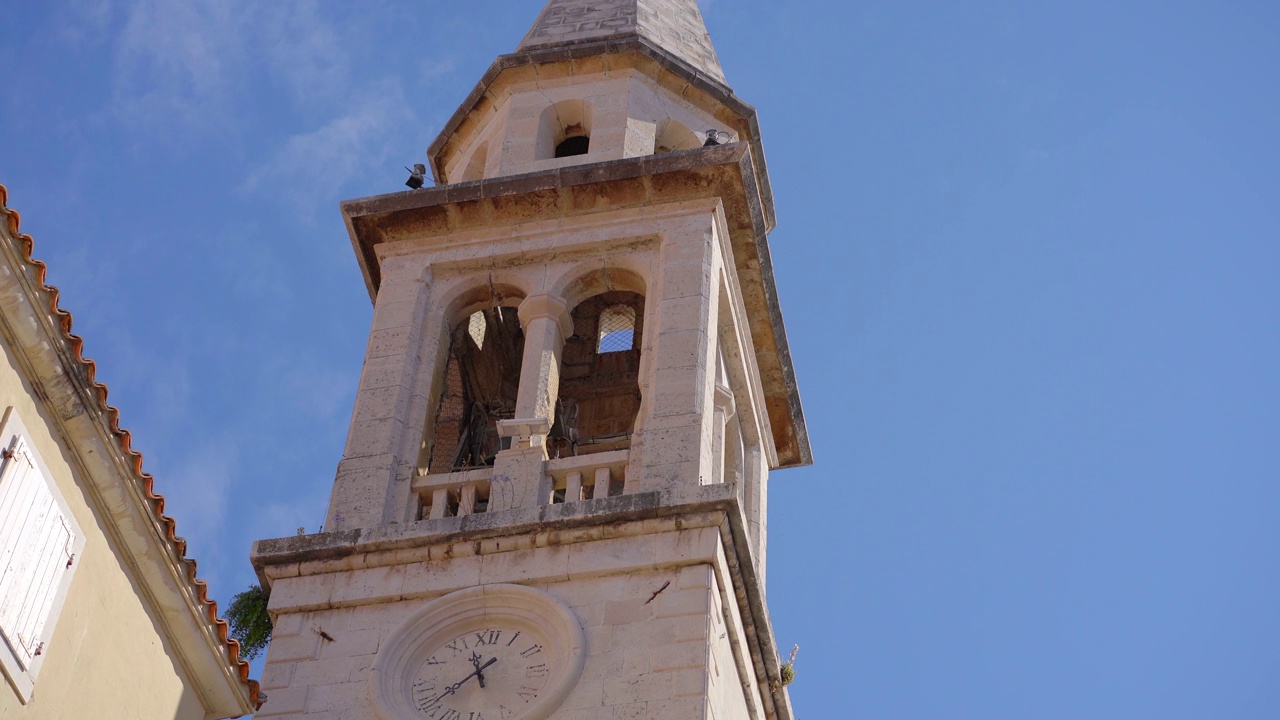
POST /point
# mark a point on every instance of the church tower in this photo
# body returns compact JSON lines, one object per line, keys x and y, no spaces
{"x":552,"y":500}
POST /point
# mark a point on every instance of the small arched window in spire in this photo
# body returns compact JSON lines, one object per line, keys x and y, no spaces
{"x":617,"y":329}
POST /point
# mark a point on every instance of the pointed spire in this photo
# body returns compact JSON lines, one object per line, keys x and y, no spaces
{"x":673,"y":25}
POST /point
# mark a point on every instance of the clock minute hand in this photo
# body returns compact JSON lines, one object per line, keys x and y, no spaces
{"x":492,"y":660}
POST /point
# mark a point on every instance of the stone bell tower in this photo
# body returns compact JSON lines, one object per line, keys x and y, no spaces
{"x":551,"y":503}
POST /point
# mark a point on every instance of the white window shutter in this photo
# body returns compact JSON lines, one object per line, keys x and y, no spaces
{"x":37,"y":543}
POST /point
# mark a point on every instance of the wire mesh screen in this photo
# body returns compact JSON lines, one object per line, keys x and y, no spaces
{"x":617,"y":329}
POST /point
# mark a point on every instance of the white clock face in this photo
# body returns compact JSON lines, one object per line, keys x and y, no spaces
{"x":492,"y":673}
{"x":490,"y":652}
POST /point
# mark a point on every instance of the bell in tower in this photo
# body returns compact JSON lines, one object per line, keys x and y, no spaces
{"x":552,"y":499}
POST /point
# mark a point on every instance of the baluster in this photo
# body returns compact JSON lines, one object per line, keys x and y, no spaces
{"x":604,"y":477}
{"x":573,"y":487}
{"x":467,"y":503}
{"x":439,"y":503}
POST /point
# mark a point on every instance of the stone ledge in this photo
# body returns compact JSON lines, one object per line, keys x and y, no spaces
{"x":543,"y":520}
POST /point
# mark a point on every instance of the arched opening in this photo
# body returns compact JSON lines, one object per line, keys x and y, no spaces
{"x":672,"y":135}
{"x":479,"y":387}
{"x":599,"y":376}
{"x":564,"y":130}
{"x":475,"y":166}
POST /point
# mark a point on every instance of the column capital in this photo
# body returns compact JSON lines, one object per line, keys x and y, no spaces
{"x":546,"y":305}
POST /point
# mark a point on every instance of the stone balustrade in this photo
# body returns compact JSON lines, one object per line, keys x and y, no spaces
{"x":586,"y":477}
{"x":454,"y":494}
{"x":572,"y":479}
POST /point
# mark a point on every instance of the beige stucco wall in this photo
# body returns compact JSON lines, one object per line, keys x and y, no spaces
{"x":107,"y":658}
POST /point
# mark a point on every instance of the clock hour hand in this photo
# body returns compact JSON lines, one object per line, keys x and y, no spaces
{"x":475,"y":661}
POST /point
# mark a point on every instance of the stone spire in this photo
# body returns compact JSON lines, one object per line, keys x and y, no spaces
{"x":674,"y":26}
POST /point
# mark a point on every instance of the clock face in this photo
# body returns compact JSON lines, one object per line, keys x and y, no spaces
{"x":492,"y":673}
{"x":491,"y":652}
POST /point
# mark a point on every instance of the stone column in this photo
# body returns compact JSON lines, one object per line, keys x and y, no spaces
{"x":519,"y":472}
{"x":547,"y":324}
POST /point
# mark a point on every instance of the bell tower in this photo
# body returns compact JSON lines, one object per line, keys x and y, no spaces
{"x":552,"y":498}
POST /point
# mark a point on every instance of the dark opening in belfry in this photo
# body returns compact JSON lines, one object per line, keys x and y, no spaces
{"x":576,"y":145}
{"x":481,"y":381}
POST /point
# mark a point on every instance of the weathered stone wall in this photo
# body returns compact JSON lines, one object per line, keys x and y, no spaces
{"x":652,"y":607}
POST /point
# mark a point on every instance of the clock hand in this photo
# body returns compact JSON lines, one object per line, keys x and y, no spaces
{"x":475,"y":661}
{"x":454,"y":687}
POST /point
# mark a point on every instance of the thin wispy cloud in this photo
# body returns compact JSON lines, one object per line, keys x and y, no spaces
{"x":305,"y":53}
{"x":184,"y":68}
{"x":432,"y":69}
{"x":197,"y":490}
{"x":175,"y":64}
{"x":311,"y":169}
{"x":86,"y":22}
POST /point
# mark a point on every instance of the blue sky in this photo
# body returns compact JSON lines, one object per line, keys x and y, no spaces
{"x":1027,"y":255}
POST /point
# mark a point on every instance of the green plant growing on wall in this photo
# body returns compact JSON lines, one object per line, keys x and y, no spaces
{"x":250,"y":623}
{"x":789,"y":667}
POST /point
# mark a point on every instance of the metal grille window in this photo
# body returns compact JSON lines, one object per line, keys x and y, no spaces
{"x":39,"y":545}
{"x":476,"y":327}
{"x":617,"y":329}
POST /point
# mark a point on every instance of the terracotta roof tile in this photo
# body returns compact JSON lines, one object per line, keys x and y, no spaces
{"x":125,"y":439}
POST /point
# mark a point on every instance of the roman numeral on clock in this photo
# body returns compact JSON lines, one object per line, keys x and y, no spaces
{"x":487,"y":637}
